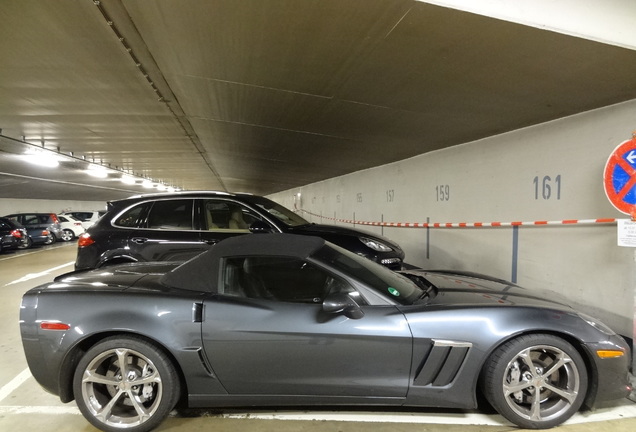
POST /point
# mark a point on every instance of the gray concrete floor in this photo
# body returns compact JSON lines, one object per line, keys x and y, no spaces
{"x":25,"y":406}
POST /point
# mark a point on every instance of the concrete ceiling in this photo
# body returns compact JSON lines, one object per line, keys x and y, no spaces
{"x":264,"y":95}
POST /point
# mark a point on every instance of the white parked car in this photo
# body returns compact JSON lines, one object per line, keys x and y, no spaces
{"x":71,"y":227}
{"x":87,"y":218}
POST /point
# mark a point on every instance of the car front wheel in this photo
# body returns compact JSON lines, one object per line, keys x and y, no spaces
{"x":125,"y":383}
{"x":536,"y":381}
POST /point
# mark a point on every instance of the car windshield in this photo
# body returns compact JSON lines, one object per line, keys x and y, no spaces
{"x":388,"y":283}
{"x":281,"y":213}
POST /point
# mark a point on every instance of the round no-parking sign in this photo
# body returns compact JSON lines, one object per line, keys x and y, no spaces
{"x":620,"y":177}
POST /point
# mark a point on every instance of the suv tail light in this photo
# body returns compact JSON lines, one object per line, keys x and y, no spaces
{"x":85,"y":240}
{"x":54,"y":218}
{"x":16,"y":233}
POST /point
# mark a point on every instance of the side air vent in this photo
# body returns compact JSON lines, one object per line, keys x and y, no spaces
{"x":439,"y":368}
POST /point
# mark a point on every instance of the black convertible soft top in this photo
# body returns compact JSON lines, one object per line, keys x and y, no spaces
{"x":201,"y":273}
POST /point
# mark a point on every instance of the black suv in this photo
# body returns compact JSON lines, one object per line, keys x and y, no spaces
{"x":177,"y":227}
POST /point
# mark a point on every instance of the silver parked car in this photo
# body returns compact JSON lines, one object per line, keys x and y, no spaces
{"x":42,"y":228}
{"x":280,"y":319}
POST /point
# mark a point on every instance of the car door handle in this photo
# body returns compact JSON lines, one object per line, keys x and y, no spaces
{"x":139,"y":240}
{"x":197,"y":312}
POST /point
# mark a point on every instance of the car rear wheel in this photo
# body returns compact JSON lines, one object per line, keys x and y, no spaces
{"x":125,"y":383}
{"x":26,"y":244}
{"x":536,"y":381}
{"x":50,"y":239}
{"x":67,"y":235}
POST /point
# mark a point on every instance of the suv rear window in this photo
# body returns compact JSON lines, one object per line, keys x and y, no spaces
{"x":36,"y":219}
{"x":130,"y":219}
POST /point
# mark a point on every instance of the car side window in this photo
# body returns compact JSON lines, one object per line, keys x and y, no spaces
{"x":282,"y":279}
{"x":131,"y":217}
{"x":32,"y":220}
{"x":171,"y":215}
{"x":82,"y":216}
{"x":227,"y":216}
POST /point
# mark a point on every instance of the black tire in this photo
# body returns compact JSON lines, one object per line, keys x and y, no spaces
{"x":536,"y":381}
{"x":26,"y":244}
{"x":99,"y":381}
{"x":67,"y":235}
{"x":50,"y":239}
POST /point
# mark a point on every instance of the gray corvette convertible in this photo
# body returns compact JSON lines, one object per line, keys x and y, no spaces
{"x":280,"y":320}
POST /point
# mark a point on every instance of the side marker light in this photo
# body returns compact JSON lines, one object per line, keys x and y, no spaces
{"x":54,"y":325}
{"x":605,"y":354}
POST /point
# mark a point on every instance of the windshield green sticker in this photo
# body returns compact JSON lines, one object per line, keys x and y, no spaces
{"x":394,"y":292}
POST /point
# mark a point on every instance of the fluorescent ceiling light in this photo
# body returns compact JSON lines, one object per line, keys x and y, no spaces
{"x":41,"y":158}
{"x":126,"y":179}
{"x":97,"y":171}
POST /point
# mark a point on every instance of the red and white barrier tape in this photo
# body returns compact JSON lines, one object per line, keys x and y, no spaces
{"x":469,"y":224}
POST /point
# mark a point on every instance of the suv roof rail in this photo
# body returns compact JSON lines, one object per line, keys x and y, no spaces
{"x":185,"y":192}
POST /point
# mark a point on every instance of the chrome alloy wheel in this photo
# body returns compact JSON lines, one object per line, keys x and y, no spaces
{"x":122,"y":388}
{"x":541,"y":383}
{"x":67,"y":235}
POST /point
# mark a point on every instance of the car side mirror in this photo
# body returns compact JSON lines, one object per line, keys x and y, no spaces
{"x":260,"y":227}
{"x":342,"y":303}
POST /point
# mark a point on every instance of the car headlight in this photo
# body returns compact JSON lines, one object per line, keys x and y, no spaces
{"x":375,"y":245}
{"x":597,"y":324}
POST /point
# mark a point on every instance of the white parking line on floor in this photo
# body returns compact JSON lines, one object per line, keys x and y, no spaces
{"x":30,"y":276}
{"x":620,"y":409}
{"x":16,"y":382}
{"x":624,"y":409}
{"x":463,"y":418}
{"x":22,"y":253}
{"x":5,"y":258}
{"x":47,"y":410}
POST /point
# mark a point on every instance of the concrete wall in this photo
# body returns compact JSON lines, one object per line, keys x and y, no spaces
{"x":502,"y":178}
{"x":607,"y":21}
{"x":9,"y":205}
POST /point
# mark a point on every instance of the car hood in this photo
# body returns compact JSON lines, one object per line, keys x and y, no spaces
{"x":463,"y":288}
{"x":325,"y":231}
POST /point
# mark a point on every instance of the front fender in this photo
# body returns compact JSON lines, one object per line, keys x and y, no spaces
{"x":473,"y":334}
